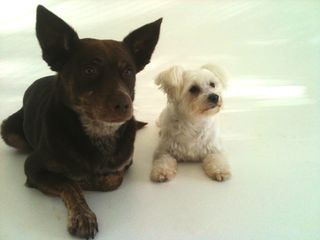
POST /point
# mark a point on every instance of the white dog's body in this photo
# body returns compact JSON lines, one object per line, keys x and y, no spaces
{"x":186,"y":140}
{"x":189,"y":128}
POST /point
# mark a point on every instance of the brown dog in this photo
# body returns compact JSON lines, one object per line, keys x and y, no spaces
{"x":79,"y":124}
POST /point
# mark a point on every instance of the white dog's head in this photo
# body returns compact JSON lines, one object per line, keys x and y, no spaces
{"x":196,"y":92}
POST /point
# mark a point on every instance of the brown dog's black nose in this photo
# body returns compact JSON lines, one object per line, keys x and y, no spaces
{"x":213,"y":98}
{"x":121,"y":106}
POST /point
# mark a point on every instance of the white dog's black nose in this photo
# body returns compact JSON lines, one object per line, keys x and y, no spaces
{"x":213,"y":98}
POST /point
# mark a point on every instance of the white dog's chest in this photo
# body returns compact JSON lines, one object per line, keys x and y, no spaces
{"x":191,"y":146}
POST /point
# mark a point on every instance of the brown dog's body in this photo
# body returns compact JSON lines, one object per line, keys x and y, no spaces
{"x":78,"y":124}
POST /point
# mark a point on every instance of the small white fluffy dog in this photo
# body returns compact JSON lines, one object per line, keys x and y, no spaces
{"x":188,"y":125}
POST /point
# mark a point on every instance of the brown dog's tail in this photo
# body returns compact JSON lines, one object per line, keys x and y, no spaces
{"x":12,"y":132}
{"x":140,"y":124}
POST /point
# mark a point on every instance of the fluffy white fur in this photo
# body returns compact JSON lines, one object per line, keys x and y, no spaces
{"x":189,"y":128}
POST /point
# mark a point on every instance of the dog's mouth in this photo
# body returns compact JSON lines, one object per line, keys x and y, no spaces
{"x":111,"y":120}
{"x":98,"y":123}
{"x":112,"y":109}
{"x":212,"y":107}
{"x":104,"y":114}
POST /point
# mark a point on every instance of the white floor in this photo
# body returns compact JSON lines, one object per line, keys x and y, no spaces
{"x":271,"y":121}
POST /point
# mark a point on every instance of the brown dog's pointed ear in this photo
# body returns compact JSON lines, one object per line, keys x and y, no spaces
{"x":142,"y":41}
{"x":56,"y":38}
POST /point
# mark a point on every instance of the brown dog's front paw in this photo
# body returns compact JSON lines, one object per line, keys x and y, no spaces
{"x":83,"y":223}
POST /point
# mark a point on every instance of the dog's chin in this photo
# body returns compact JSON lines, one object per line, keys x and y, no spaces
{"x":99,"y":124}
{"x":112,"y":121}
{"x":211,"y":110}
{"x":115,"y":119}
{"x":100,"y":127}
{"x":103,"y":118}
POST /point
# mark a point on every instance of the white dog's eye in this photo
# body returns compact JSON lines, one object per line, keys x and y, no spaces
{"x":212,"y":84}
{"x":194,"y":89}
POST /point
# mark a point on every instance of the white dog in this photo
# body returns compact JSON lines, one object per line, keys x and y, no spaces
{"x":188,"y":125}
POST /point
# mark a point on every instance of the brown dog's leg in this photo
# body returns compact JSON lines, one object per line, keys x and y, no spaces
{"x":102,"y":183}
{"x":82,"y":222}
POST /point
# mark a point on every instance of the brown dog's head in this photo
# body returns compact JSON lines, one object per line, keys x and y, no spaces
{"x":96,"y":78}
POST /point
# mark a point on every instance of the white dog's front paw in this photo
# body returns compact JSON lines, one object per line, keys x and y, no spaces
{"x":217,"y":168}
{"x":162,"y":174}
{"x":218,"y":175}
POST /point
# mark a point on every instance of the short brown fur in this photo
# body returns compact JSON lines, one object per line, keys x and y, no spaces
{"x":95,"y":80}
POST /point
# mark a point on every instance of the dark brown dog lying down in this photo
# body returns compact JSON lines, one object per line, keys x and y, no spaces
{"x":79,"y":124}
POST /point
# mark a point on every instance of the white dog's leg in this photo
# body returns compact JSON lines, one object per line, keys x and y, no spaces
{"x":216,"y":167}
{"x":164,"y":168}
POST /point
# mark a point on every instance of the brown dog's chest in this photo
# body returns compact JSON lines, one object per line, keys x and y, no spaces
{"x":106,"y":146}
{"x":103,"y":159}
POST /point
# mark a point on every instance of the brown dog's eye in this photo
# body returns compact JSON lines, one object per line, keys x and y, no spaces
{"x":194,"y":89}
{"x":212,"y":84}
{"x":90,"y":71}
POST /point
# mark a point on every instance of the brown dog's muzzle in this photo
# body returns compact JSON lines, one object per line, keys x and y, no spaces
{"x":114,"y":107}
{"x":118,"y":107}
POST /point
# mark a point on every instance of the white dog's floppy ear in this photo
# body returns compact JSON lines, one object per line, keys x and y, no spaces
{"x":170,"y":80}
{"x":218,"y":72}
